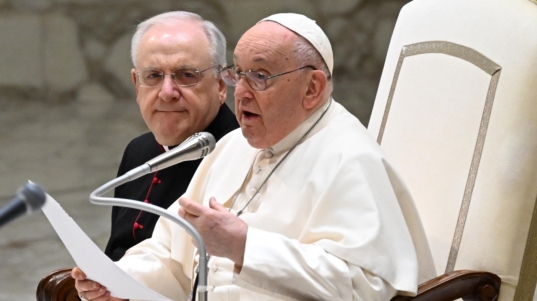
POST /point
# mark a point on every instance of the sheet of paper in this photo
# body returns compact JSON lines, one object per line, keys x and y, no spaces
{"x":92,"y":260}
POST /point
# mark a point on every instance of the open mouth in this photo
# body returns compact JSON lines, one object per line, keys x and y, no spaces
{"x":249,"y":114}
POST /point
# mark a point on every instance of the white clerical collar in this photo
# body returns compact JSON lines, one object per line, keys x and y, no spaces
{"x":291,"y":139}
{"x":166,"y":148}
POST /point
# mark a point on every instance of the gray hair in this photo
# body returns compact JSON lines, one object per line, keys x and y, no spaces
{"x":306,"y":54}
{"x":217,"y":41}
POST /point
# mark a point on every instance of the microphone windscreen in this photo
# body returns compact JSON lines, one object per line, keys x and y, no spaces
{"x":194,"y":147}
{"x":33,"y":196}
{"x":206,"y":141}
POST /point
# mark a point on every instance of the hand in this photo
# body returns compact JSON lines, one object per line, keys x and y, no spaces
{"x":90,"y":290}
{"x":224,"y":234}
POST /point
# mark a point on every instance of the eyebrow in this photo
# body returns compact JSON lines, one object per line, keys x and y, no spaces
{"x":260,"y":59}
{"x":256,"y":59}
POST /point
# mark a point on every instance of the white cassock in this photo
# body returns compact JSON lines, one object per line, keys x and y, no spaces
{"x":333,"y":222}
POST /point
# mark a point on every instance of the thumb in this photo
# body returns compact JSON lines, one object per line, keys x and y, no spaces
{"x":213,"y":204}
{"x":77,"y":273}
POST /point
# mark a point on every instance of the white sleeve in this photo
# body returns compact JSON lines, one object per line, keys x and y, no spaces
{"x":284,"y":268}
{"x":151,"y":262}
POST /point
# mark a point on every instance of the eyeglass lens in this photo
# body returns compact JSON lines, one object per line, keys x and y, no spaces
{"x":183,"y":77}
{"x":255,"y":79}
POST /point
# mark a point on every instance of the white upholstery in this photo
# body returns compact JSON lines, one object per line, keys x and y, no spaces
{"x":432,"y":129}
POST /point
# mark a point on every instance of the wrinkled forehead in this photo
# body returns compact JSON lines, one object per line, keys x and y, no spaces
{"x":185,"y":30}
{"x":178,"y":40}
{"x":266,"y":41}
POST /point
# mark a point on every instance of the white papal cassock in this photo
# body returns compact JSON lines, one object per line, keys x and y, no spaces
{"x":333,"y":222}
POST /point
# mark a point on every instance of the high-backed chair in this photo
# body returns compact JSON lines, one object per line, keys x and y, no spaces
{"x":456,"y":113}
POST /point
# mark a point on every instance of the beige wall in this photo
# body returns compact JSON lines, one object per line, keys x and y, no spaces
{"x":78,"y":50}
{"x":67,"y":106}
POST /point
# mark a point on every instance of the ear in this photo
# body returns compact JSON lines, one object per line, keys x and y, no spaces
{"x":134,"y":79}
{"x":222,"y":90}
{"x":315,"y":88}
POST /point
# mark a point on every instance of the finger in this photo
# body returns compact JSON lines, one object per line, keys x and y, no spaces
{"x":109,"y":298}
{"x":187,"y":217}
{"x":213,"y":204}
{"x":191,"y":207}
{"x":77,"y":274}
{"x":86,"y":285}
{"x":98,"y":295}
{"x":182,"y":212}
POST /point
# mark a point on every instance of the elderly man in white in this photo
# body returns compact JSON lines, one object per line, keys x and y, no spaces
{"x":300,"y":204}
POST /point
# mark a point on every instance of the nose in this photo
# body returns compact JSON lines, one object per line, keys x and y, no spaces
{"x":169,"y":90}
{"x":242,"y":89}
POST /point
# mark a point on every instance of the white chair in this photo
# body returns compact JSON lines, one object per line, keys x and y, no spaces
{"x":456,"y":113}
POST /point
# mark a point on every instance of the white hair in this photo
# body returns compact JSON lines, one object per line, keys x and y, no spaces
{"x":217,"y":41}
{"x":306,"y":54}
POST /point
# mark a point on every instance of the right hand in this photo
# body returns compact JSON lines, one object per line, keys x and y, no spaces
{"x":90,"y":290}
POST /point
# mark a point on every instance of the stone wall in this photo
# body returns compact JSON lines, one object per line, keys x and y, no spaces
{"x":67,"y":106}
{"x":61,"y":51}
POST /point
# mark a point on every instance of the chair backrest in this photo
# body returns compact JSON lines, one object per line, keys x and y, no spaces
{"x":456,"y":112}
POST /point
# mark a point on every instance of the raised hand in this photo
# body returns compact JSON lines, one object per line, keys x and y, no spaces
{"x":224,"y":234}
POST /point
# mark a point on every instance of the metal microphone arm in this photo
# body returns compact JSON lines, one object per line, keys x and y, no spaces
{"x":195,"y":147}
{"x":97,"y":198}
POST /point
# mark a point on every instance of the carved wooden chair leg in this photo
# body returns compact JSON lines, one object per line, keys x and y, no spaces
{"x":57,"y":286}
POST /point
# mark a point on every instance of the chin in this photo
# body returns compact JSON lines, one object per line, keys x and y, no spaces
{"x":169,"y":140}
{"x":256,"y":142}
{"x":170,"y":136}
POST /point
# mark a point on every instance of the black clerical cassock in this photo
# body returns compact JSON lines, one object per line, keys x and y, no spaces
{"x":162,"y":188}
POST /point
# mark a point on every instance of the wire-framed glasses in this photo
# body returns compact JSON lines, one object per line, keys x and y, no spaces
{"x":256,"y":80}
{"x":183,"y":77}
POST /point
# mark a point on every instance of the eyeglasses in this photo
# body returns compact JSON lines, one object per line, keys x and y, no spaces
{"x":183,"y":77}
{"x":256,"y":80}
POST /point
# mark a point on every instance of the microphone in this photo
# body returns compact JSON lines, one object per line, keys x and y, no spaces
{"x":29,"y":198}
{"x":194,"y":147}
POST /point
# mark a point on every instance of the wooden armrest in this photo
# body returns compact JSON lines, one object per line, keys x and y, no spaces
{"x":469,"y":285}
{"x":57,"y":286}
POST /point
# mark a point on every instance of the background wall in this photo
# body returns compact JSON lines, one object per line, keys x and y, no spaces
{"x":67,"y":105}
{"x":63,"y":51}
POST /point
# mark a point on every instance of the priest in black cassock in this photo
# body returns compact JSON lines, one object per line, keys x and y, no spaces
{"x":177,"y":56}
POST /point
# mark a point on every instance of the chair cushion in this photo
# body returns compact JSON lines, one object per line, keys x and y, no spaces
{"x":456,"y":112}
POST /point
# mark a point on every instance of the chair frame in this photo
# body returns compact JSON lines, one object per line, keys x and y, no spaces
{"x":465,"y":284}
{"x":57,"y":286}
{"x":468,"y":285}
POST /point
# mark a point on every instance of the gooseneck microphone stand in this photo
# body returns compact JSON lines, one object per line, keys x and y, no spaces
{"x":195,"y":147}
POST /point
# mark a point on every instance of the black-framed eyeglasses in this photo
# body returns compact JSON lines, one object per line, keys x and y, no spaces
{"x":183,"y":77}
{"x":256,"y":80}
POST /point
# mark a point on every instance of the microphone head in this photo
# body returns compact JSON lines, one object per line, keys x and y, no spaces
{"x":204,"y":140}
{"x":33,"y":196}
{"x":194,"y":147}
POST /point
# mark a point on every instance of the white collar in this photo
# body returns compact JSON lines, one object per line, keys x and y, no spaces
{"x":288,"y":141}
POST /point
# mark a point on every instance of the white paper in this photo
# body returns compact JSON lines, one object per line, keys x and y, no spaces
{"x":92,"y":261}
